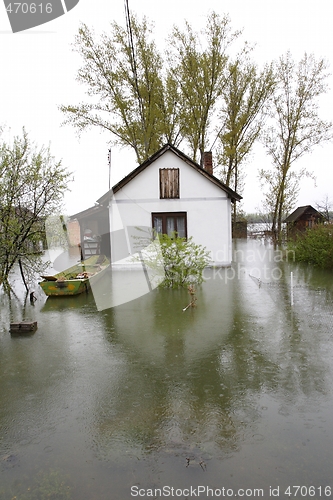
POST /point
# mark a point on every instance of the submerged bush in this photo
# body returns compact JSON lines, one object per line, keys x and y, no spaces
{"x":182,"y":261}
{"x":315,"y":246}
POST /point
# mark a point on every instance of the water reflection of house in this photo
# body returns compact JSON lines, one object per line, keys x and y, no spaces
{"x":303,"y":218}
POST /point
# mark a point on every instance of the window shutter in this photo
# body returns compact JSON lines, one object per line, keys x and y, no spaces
{"x":169,"y":183}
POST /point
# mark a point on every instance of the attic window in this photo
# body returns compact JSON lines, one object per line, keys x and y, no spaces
{"x":169,"y":183}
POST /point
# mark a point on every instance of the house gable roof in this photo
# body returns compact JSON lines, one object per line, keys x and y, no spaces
{"x":303,"y":211}
{"x":168,"y":147}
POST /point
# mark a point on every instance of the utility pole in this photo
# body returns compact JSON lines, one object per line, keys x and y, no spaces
{"x":109,"y":163}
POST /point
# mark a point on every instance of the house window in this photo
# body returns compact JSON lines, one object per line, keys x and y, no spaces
{"x":170,"y":223}
{"x":169,"y":183}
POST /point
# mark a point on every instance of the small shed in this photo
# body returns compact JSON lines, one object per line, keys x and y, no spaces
{"x":303,"y":218}
{"x":92,"y":231}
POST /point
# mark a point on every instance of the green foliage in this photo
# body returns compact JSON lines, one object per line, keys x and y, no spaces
{"x":244,"y":109}
{"x":200,"y":72}
{"x":128,"y":94}
{"x":183,"y":261}
{"x":246,"y":95}
{"x":315,"y":246}
{"x":144,"y":98}
{"x":32,"y":185}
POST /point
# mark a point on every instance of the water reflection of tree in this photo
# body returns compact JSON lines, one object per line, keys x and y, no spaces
{"x":301,"y":352}
{"x":178,"y":397}
{"x":295,"y":342}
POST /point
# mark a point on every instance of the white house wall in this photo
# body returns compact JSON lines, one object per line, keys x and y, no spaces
{"x":207,"y":206}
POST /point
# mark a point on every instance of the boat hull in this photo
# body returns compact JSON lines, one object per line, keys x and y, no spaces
{"x":58,"y":286}
{"x":68,"y":287}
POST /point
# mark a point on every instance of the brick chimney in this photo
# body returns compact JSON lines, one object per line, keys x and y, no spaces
{"x":207,"y":161}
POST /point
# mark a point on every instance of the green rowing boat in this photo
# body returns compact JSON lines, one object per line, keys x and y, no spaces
{"x":77,"y":279}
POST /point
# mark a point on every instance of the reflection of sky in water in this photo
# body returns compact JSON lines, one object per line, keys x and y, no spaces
{"x":235,"y":392}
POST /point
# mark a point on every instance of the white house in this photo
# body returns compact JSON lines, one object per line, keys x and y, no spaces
{"x":170,"y":192}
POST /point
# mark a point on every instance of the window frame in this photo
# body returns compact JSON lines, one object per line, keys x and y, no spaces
{"x":164,"y":216}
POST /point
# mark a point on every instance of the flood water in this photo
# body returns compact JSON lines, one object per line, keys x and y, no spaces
{"x":232,"y":398}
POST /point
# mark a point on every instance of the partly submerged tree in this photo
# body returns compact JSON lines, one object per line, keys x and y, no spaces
{"x":32,"y":185}
{"x":245,"y":96}
{"x":129,"y":97}
{"x":296,"y":129}
{"x":181,"y":261}
{"x":200,"y":70}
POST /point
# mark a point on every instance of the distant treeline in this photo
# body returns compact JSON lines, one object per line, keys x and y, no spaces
{"x":258,"y":217}
{"x":252,"y":218}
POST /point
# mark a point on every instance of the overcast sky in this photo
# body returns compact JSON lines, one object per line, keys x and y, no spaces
{"x":38,"y":71}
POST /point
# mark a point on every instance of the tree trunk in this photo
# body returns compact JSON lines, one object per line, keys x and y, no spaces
{"x":235,"y":189}
{"x":22,"y":274}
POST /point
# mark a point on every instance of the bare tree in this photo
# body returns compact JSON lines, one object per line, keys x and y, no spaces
{"x":296,"y":129}
{"x":325,"y":208}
